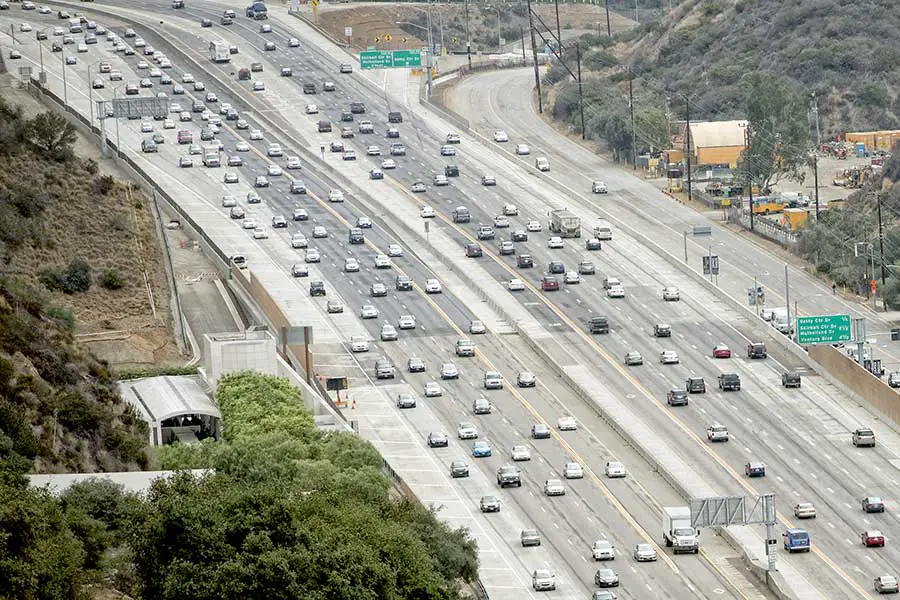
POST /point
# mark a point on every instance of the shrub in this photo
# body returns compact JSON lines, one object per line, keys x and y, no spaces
{"x":112,"y":280}
{"x":90,"y":165}
{"x":74,"y":278}
{"x":63,"y":315}
{"x":105,"y":184}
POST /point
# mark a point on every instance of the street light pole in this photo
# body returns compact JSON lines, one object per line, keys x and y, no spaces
{"x":65,"y":87}
{"x":468,"y":41}
{"x":90,"y":98}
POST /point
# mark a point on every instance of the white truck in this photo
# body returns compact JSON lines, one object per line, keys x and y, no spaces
{"x":677,"y":530}
{"x":565,"y":224}
{"x":211,"y":156}
{"x":219,"y":52}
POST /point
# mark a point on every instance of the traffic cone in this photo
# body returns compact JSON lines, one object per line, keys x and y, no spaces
{"x":353,"y":406}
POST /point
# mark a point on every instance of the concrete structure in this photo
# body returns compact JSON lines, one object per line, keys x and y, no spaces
{"x":713,"y":142}
{"x":176,"y":408}
{"x":225,"y":353}
{"x":131,"y":481}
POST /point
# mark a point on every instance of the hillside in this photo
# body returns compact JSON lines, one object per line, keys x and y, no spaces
{"x":844,"y":51}
{"x":58,"y":407}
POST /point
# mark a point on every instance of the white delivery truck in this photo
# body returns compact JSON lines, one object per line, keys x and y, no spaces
{"x":565,"y":224}
{"x":677,"y":530}
{"x":780,"y":321}
{"x":211,"y":156}
{"x":219,"y":52}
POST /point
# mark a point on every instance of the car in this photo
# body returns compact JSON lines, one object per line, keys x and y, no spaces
{"x":438,"y":439}
{"x":481,"y":449}
{"x":522,"y":149}
{"x":476,"y":327}
{"x":872,"y":504}
{"x":433,"y":390}
{"x":185,"y":162}
{"x":258,"y":86}
{"x":567,"y":424}
{"x":493,"y":380}
{"x":459,"y":468}
{"x":644,"y":553}
{"x":71,"y":60}
{"x":260,"y":233}
{"x":389,"y":163}
{"x":403,"y":283}
{"x":349,"y":155}
{"x":377,"y":290}
{"x":520,"y":453}
{"x":366,"y":127}
{"x":586,"y":267}
{"x":603,"y":550}
{"x":448,"y":151}
{"x":519,"y":235}
{"x":298,"y":270}
{"x":677,"y":397}
{"x":253,"y":197}
{"x":312,"y":256}
{"x":533,"y":226}
{"x":593,"y":244}
{"x":485,"y":232}
{"x":328,"y":86}
{"x":668,"y":357}
{"x":755,"y":468}
{"x":887,"y":584}
{"x":432,"y":286}
{"x":335,"y":196}
{"x":549,"y":284}
{"x":599,"y":187}
{"x":230,"y":177}
{"x":500,"y":136}
{"x":406,"y":400}
{"x":863,"y":437}
{"x":805,"y":510}
{"x":256,"y":135}
{"x":489,"y":504}
{"x":721,"y":351}
{"x":261,"y":181}
{"x":312,"y":109}
{"x":540,"y":431}
{"x":515,"y":285}
{"x":872,"y":539}
{"x":375,"y":173}
{"x":406,"y":322}
{"x":466,"y":431}
{"x":606,"y":578}
{"x":473,"y":250}
{"x":359,"y":343}
{"x":554,"y":487}
{"x":388,"y":333}
{"x":573,"y":470}
{"x":661,"y":330}
{"x":555,"y":242}
{"x":530,"y":537}
{"x":394,"y":250}
{"x":293,"y":42}
{"x":384,"y":369}
{"x":351,"y":265}
{"x":542,"y":164}
{"x":526,"y":379}
{"x":453,"y":138}
{"x":633,"y":357}
{"x":790,"y":379}
{"x":235,"y":161}
{"x":694,"y":384}
{"x":368,"y":311}
{"x":440,"y":180}
{"x":615,"y":291}
{"x":501,"y":222}
{"x":426,"y":212}
{"x":449,"y":371}
{"x":273,"y":170}
{"x":382,"y":261}
{"x":614,"y":470}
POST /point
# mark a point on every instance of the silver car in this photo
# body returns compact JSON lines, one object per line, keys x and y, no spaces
{"x":554,"y":487}
{"x":603,"y":550}
{"x":572,"y":470}
{"x":449,"y":371}
{"x":543,"y":580}
{"x":521,"y":453}
{"x":633,"y":358}
{"x":388,"y":333}
{"x":466,"y":431}
{"x":644,"y":553}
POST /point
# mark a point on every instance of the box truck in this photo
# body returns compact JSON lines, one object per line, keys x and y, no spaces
{"x":677,"y":530}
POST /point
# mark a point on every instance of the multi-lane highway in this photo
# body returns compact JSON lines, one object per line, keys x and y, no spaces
{"x":802,"y":435}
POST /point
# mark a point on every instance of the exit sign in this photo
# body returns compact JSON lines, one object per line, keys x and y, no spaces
{"x":824,"y":329}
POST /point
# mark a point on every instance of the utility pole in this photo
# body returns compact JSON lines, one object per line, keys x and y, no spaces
{"x":524,"y":60}
{"x":880,"y":242}
{"x":558,"y":29}
{"x":608,"y":27}
{"x":787,"y":300}
{"x":816,"y":184}
{"x":633,"y":131}
{"x":750,"y":175}
{"x":468,"y":41}
{"x":537,"y":74}
{"x":580,"y":91}
{"x":687,"y":143}
{"x":816,"y":115}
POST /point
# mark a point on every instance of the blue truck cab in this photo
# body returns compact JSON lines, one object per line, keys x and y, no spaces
{"x":796,"y":540}
{"x":257,"y":11}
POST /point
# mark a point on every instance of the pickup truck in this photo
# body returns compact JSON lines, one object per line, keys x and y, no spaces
{"x":509,"y":475}
{"x":729,"y":382}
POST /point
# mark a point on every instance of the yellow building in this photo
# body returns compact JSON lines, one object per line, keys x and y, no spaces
{"x":713,"y":142}
{"x":875,"y":140}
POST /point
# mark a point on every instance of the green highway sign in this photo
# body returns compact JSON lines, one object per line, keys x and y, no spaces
{"x":387,"y":59}
{"x":824,"y":329}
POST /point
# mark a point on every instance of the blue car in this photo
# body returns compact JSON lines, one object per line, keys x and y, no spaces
{"x":481,"y":449}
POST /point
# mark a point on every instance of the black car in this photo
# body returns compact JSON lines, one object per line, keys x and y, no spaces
{"x":358,"y":108}
{"x":346,"y":116}
{"x":598,"y":325}
{"x":451,"y":171}
{"x":730,"y":382}
{"x":316,"y":288}
{"x":309,"y":88}
{"x":473,"y":250}
{"x":519,"y":235}
{"x":662,"y":330}
{"x":524,"y":261}
{"x":695,"y":385}
{"x":395,"y":117}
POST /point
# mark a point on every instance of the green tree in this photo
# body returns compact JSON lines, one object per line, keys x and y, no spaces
{"x":779,"y":132}
{"x":52,"y":134}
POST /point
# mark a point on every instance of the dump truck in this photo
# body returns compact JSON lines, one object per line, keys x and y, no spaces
{"x":677,"y":531}
{"x":565,"y":224}
{"x":219,"y":52}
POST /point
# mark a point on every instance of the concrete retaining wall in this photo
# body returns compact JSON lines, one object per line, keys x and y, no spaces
{"x":846,"y":370}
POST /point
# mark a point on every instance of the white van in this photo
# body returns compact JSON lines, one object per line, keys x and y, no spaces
{"x":780,"y":321}
{"x":603,"y":230}
{"x":542,"y":164}
{"x":75,"y":26}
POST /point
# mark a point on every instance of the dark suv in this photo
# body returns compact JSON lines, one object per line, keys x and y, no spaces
{"x":403,"y":283}
{"x":598,"y":325}
{"x":524,"y":261}
{"x":730,"y":382}
{"x":756,"y":350}
{"x":789,"y":379}
{"x":695,"y":385}
{"x":473,"y":250}
{"x":357,"y":108}
{"x":316,"y":288}
{"x":395,"y":117}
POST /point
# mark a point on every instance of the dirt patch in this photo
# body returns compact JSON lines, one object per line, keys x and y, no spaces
{"x":115,"y":234}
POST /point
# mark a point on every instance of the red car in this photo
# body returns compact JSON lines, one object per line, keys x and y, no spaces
{"x":872,"y":539}
{"x":721,"y":351}
{"x":550,"y":284}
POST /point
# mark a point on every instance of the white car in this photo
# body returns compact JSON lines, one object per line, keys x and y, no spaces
{"x":671,"y":294}
{"x":603,"y":550}
{"x":515,"y":285}
{"x":572,"y":470}
{"x":293,"y":162}
{"x":368,"y":311}
{"x":554,"y":487}
{"x":449,"y":371}
{"x":394,"y":250}
{"x":466,"y":431}
{"x":448,"y":151}
{"x":668,"y":357}
{"x":373,"y":151}
{"x":615,"y":469}
{"x":319,"y":231}
{"x":249,"y":224}
{"x":312,"y":109}
{"x":242,"y":147}
{"x":335,"y":196}
{"x":598,"y":187}
{"x":427,"y":212}
{"x":521,"y":453}
{"x":351,"y":265}
{"x":298,"y":240}
{"x":555,"y":242}
{"x":406,"y":322}
{"x":146,"y":127}
{"x":433,"y":389}
{"x":312,"y":256}
{"x":359,"y":343}
{"x":382,"y":261}
{"x":533,"y":226}
{"x":572,"y":277}
{"x":260,"y":233}
{"x":542,"y":164}
{"x":274,"y":170}
{"x":615,"y":291}
{"x":510,"y":210}
{"x":500,"y":136}
{"x":433,"y":286}
{"x":567,"y":424}
{"x":501,"y":222}
{"x":274,"y":150}
{"x":256,"y":134}
{"x":522,"y":149}
{"x":388,"y":164}
{"x":168,"y":124}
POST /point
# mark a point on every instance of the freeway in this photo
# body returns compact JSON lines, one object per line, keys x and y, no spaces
{"x":585,"y":511}
{"x":643,"y":284}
